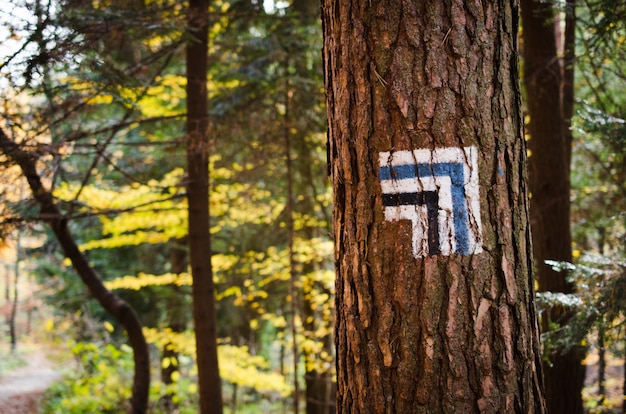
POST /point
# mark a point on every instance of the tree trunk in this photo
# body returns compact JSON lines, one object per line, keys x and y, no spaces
{"x":567,"y":85}
{"x":319,"y":387}
{"x":549,"y":93}
{"x":434,"y":296}
{"x":7,"y":283}
{"x":601,"y":367}
{"x":120,"y":310}
{"x":293,"y":299}
{"x":13,"y":314}
{"x":624,"y":387}
{"x":204,"y":316}
{"x":177,"y":322}
{"x":320,"y":391}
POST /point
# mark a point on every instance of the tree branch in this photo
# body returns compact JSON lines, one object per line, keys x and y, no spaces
{"x":117,"y":307}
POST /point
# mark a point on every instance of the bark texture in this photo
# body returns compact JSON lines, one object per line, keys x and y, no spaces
{"x":113,"y":304}
{"x":203,"y":292}
{"x":549,"y":97}
{"x":437,"y":334}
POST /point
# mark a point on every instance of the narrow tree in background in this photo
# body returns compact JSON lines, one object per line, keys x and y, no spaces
{"x":175,"y":305}
{"x":319,"y":389}
{"x":13,"y":312}
{"x":549,"y":96}
{"x":434,"y":296}
{"x":205,"y":323}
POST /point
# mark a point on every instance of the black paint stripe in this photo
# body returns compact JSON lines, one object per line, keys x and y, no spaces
{"x":428,"y":198}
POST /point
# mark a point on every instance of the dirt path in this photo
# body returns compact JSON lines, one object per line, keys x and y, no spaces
{"x":21,"y":389}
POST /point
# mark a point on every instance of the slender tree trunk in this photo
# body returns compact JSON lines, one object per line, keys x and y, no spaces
{"x":204,"y":315}
{"x":6,"y":308}
{"x":113,"y":304}
{"x":601,"y":368}
{"x":567,"y":86}
{"x":177,"y":322}
{"x":282,"y":356}
{"x":234,"y":401}
{"x":13,"y":314}
{"x":7,"y":283}
{"x":290,"y":241}
{"x":29,"y":321}
{"x":624,"y":389}
{"x":548,"y":164}
{"x":318,"y":380}
{"x":320,"y":388}
{"x":434,"y":295}
{"x":624,"y":386}
{"x":549,"y":91}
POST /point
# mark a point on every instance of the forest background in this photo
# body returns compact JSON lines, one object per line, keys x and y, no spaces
{"x":95,"y":99}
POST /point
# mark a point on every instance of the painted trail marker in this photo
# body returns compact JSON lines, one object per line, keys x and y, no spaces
{"x":437,"y":190}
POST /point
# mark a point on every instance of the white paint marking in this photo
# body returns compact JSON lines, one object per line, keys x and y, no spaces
{"x":453,"y":174}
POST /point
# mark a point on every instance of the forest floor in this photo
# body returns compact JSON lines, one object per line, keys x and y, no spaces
{"x":25,"y":376}
{"x":21,"y":388}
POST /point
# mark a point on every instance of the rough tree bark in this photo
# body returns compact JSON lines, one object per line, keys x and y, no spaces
{"x":204,"y":317}
{"x":117,"y":307}
{"x":549,"y":98}
{"x":434,"y":296}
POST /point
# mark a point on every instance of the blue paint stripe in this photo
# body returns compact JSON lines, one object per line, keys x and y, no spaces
{"x":454,"y":170}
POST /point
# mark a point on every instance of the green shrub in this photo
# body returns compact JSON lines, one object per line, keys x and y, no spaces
{"x":101,"y":382}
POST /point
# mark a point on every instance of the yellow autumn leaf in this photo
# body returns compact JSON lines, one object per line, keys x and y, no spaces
{"x":108,"y":326}
{"x":175,"y":376}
